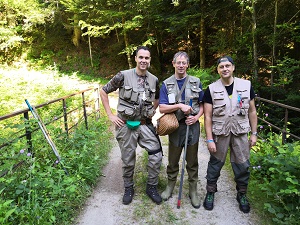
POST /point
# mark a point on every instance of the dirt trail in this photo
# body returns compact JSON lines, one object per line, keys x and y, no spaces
{"x":105,"y":206}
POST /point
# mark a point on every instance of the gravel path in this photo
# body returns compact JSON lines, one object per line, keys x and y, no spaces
{"x":105,"y":206}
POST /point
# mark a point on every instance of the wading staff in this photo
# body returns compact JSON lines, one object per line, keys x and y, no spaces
{"x":46,"y":133}
{"x":183,"y":162}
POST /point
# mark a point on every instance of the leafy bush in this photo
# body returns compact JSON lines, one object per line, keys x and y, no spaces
{"x":277,"y":173}
{"x":40,"y":192}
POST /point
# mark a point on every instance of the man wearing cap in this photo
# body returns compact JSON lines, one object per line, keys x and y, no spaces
{"x":138,"y":99}
{"x":229,"y":115}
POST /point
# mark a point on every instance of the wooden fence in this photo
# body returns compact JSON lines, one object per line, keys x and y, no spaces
{"x":287,"y":109}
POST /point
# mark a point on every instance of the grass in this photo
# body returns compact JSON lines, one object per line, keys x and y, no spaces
{"x":40,"y":192}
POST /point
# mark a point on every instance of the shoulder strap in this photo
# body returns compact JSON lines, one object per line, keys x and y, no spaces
{"x":182,"y":88}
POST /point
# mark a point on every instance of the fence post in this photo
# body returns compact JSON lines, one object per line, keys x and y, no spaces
{"x":97,"y":102}
{"x":84,"y":111}
{"x":285,"y":126}
{"x":65,"y":116}
{"x":28,"y":132}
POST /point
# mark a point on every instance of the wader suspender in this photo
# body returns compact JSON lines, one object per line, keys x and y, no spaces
{"x":182,"y":88}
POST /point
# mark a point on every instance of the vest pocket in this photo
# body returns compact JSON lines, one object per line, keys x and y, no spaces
{"x":127,"y":92}
{"x":242,"y":93}
{"x":217,"y":127}
{"x":195,"y":92}
{"x":148,"y":111}
{"x":219,"y":110}
{"x":126,"y":111}
{"x":218,"y":95}
{"x":243,"y":126}
{"x":151,"y":95}
{"x":134,"y":95}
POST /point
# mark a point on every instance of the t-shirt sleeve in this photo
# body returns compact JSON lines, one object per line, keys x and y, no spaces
{"x":207,"y":96}
{"x":157,"y":92}
{"x":163,"y":95}
{"x":201,"y":94}
{"x":116,"y":82}
{"x":252,"y":93}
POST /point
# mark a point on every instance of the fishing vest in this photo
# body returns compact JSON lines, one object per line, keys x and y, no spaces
{"x":136,"y":103}
{"x":230,"y":114}
{"x":192,"y":90}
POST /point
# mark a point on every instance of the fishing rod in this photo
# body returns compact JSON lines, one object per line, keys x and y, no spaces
{"x":46,"y":133}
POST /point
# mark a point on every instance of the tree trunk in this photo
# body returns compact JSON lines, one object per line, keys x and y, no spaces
{"x":202,"y":36}
{"x":254,"y":39}
{"x":274,"y":47}
{"x":202,"y":42}
{"x":77,"y":32}
{"x":127,"y":46}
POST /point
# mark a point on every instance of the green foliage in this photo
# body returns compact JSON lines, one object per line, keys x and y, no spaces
{"x":206,"y":76}
{"x":276,"y":171}
{"x":40,"y":191}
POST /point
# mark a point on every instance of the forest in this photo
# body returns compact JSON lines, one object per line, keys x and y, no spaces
{"x":94,"y":39}
{"x":261,"y":35}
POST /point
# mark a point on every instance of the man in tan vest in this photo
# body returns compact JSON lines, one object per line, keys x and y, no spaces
{"x":138,"y":99}
{"x":175,"y":95}
{"x":229,"y":115}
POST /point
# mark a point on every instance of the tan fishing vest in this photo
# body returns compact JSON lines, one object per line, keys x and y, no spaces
{"x":136,"y":103}
{"x":229,"y":114}
{"x":192,"y":90}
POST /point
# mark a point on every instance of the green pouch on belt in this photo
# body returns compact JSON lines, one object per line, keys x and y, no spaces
{"x":133,"y":124}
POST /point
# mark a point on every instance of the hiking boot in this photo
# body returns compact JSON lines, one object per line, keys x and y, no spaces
{"x":169,"y":190}
{"x":243,"y":202}
{"x":151,"y":191}
{"x":128,"y":195}
{"x":209,"y":201}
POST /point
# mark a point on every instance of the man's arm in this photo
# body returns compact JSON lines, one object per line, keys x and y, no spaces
{"x":253,"y":122}
{"x":105,"y":102}
{"x":208,"y":111}
{"x":164,"y":108}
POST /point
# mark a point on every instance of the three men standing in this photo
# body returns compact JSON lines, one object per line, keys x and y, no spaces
{"x":229,"y":115}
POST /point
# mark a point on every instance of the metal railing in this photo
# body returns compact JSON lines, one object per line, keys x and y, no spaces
{"x":90,"y":104}
{"x":286,"y":118}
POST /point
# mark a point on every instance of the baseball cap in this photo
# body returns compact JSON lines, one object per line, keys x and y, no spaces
{"x":225,"y":59}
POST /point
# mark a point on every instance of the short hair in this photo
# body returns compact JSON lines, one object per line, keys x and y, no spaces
{"x":142,"y":47}
{"x":181,"y":53}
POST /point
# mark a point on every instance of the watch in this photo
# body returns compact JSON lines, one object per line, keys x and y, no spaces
{"x":254,"y":133}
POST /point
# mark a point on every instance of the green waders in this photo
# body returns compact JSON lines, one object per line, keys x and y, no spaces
{"x":174,"y":154}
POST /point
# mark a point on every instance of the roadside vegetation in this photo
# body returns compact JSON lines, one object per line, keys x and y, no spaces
{"x":39,"y":191}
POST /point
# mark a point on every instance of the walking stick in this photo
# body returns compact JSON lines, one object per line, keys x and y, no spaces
{"x":45,"y":132}
{"x":183,"y":162}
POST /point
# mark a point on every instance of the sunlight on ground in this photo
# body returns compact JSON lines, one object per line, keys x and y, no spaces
{"x":36,"y":86}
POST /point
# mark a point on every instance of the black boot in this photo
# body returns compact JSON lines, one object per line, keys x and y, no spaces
{"x":151,"y":191}
{"x":128,"y":195}
{"x":243,"y":202}
{"x":209,"y":201}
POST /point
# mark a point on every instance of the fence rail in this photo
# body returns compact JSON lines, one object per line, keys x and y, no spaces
{"x":90,"y":106}
{"x":286,"y":118}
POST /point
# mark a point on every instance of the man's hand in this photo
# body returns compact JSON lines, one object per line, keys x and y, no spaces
{"x":211,"y":147}
{"x":252,"y":140}
{"x":116,"y":120}
{"x":186,"y":109}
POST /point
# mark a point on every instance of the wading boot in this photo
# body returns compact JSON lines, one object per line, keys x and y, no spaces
{"x":151,"y":191}
{"x":167,"y":193}
{"x":193,"y":195}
